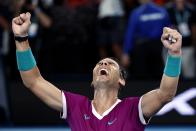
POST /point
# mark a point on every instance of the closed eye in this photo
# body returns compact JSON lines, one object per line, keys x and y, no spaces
{"x":111,"y":63}
{"x":99,"y":63}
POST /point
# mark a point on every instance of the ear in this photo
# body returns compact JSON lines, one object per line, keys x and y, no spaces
{"x":121,"y":82}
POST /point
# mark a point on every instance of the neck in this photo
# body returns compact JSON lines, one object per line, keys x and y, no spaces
{"x":104,"y":98}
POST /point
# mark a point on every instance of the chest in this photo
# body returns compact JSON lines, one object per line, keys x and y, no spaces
{"x":117,"y":120}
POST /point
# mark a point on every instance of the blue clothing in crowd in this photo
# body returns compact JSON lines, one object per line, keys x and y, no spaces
{"x":146,"y":22}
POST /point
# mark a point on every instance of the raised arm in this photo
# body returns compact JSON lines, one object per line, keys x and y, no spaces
{"x":29,"y":72}
{"x":154,"y":100}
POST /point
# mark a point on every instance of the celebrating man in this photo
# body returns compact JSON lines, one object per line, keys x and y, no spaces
{"x":106,"y":112}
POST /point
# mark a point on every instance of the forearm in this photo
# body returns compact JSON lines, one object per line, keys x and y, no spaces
{"x":169,"y":82}
{"x":29,"y":77}
{"x":22,"y":46}
{"x":168,"y":88}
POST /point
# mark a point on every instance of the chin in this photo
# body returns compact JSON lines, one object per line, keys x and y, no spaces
{"x":100,"y":79}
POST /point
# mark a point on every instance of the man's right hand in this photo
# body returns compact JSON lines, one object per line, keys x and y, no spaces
{"x":21,"y":24}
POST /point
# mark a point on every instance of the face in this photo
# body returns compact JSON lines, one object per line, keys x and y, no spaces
{"x":180,"y":4}
{"x":107,"y":71}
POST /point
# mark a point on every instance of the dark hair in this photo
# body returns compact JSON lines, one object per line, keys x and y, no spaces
{"x":123,"y":72}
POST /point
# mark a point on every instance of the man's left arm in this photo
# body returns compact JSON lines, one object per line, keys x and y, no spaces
{"x":153,"y":101}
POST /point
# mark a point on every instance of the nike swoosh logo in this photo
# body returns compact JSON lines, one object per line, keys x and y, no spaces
{"x":86,"y":117}
{"x":111,"y":122}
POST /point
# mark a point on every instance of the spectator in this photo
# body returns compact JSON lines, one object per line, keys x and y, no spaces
{"x":110,"y":25}
{"x":142,"y":40}
{"x":182,"y":15}
{"x":129,"y":5}
{"x":68,"y":40}
{"x":4,"y":40}
{"x":39,"y":20}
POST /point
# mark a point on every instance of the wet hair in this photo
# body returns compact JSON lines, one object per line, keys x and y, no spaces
{"x":123,"y":72}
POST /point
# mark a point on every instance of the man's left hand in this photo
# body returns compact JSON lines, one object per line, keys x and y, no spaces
{"x":172,"y":40}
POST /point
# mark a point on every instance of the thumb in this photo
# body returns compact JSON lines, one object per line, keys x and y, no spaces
{"x":28,"y":15}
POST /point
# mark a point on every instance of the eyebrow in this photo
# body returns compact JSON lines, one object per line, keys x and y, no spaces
{"x":114,"y":62}
{"x":110,"y":61}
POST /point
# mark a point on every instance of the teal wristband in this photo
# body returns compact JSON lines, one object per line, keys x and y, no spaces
{"x":25,"y":60}
{"x":173,"y":66}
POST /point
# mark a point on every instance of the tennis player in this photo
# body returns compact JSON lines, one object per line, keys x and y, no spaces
{"x":106,"y":112}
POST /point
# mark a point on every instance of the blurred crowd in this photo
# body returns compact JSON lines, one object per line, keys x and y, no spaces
{"x":70,"y":36}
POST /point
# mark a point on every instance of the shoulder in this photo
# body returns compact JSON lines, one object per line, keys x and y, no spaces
{"x":139,"y":10}
{"x":133,"y":107}
{"x":75,"y":101}
{"x":74,"y":97}
{"x":130,"y":104}
{"x":157,"y":8}
{"x":73,"y":104}
{"x":131,"y":101}
{"x":66,"y":93}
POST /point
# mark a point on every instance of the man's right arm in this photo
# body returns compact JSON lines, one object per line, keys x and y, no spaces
{"x":32,"y":78}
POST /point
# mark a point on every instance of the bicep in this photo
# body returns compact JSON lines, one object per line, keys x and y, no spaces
{"x":151,"y":103}
{"x":43,"y":89}
{"x":48,"y":93}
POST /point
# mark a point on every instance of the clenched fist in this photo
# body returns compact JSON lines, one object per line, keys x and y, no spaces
{"x":20,"y":24}
{"x":172,"y":40}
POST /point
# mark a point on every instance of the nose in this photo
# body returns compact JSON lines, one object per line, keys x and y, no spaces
{"x":104,"y":63}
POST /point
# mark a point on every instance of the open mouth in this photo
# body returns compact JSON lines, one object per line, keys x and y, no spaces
{"x":103,"y":72}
